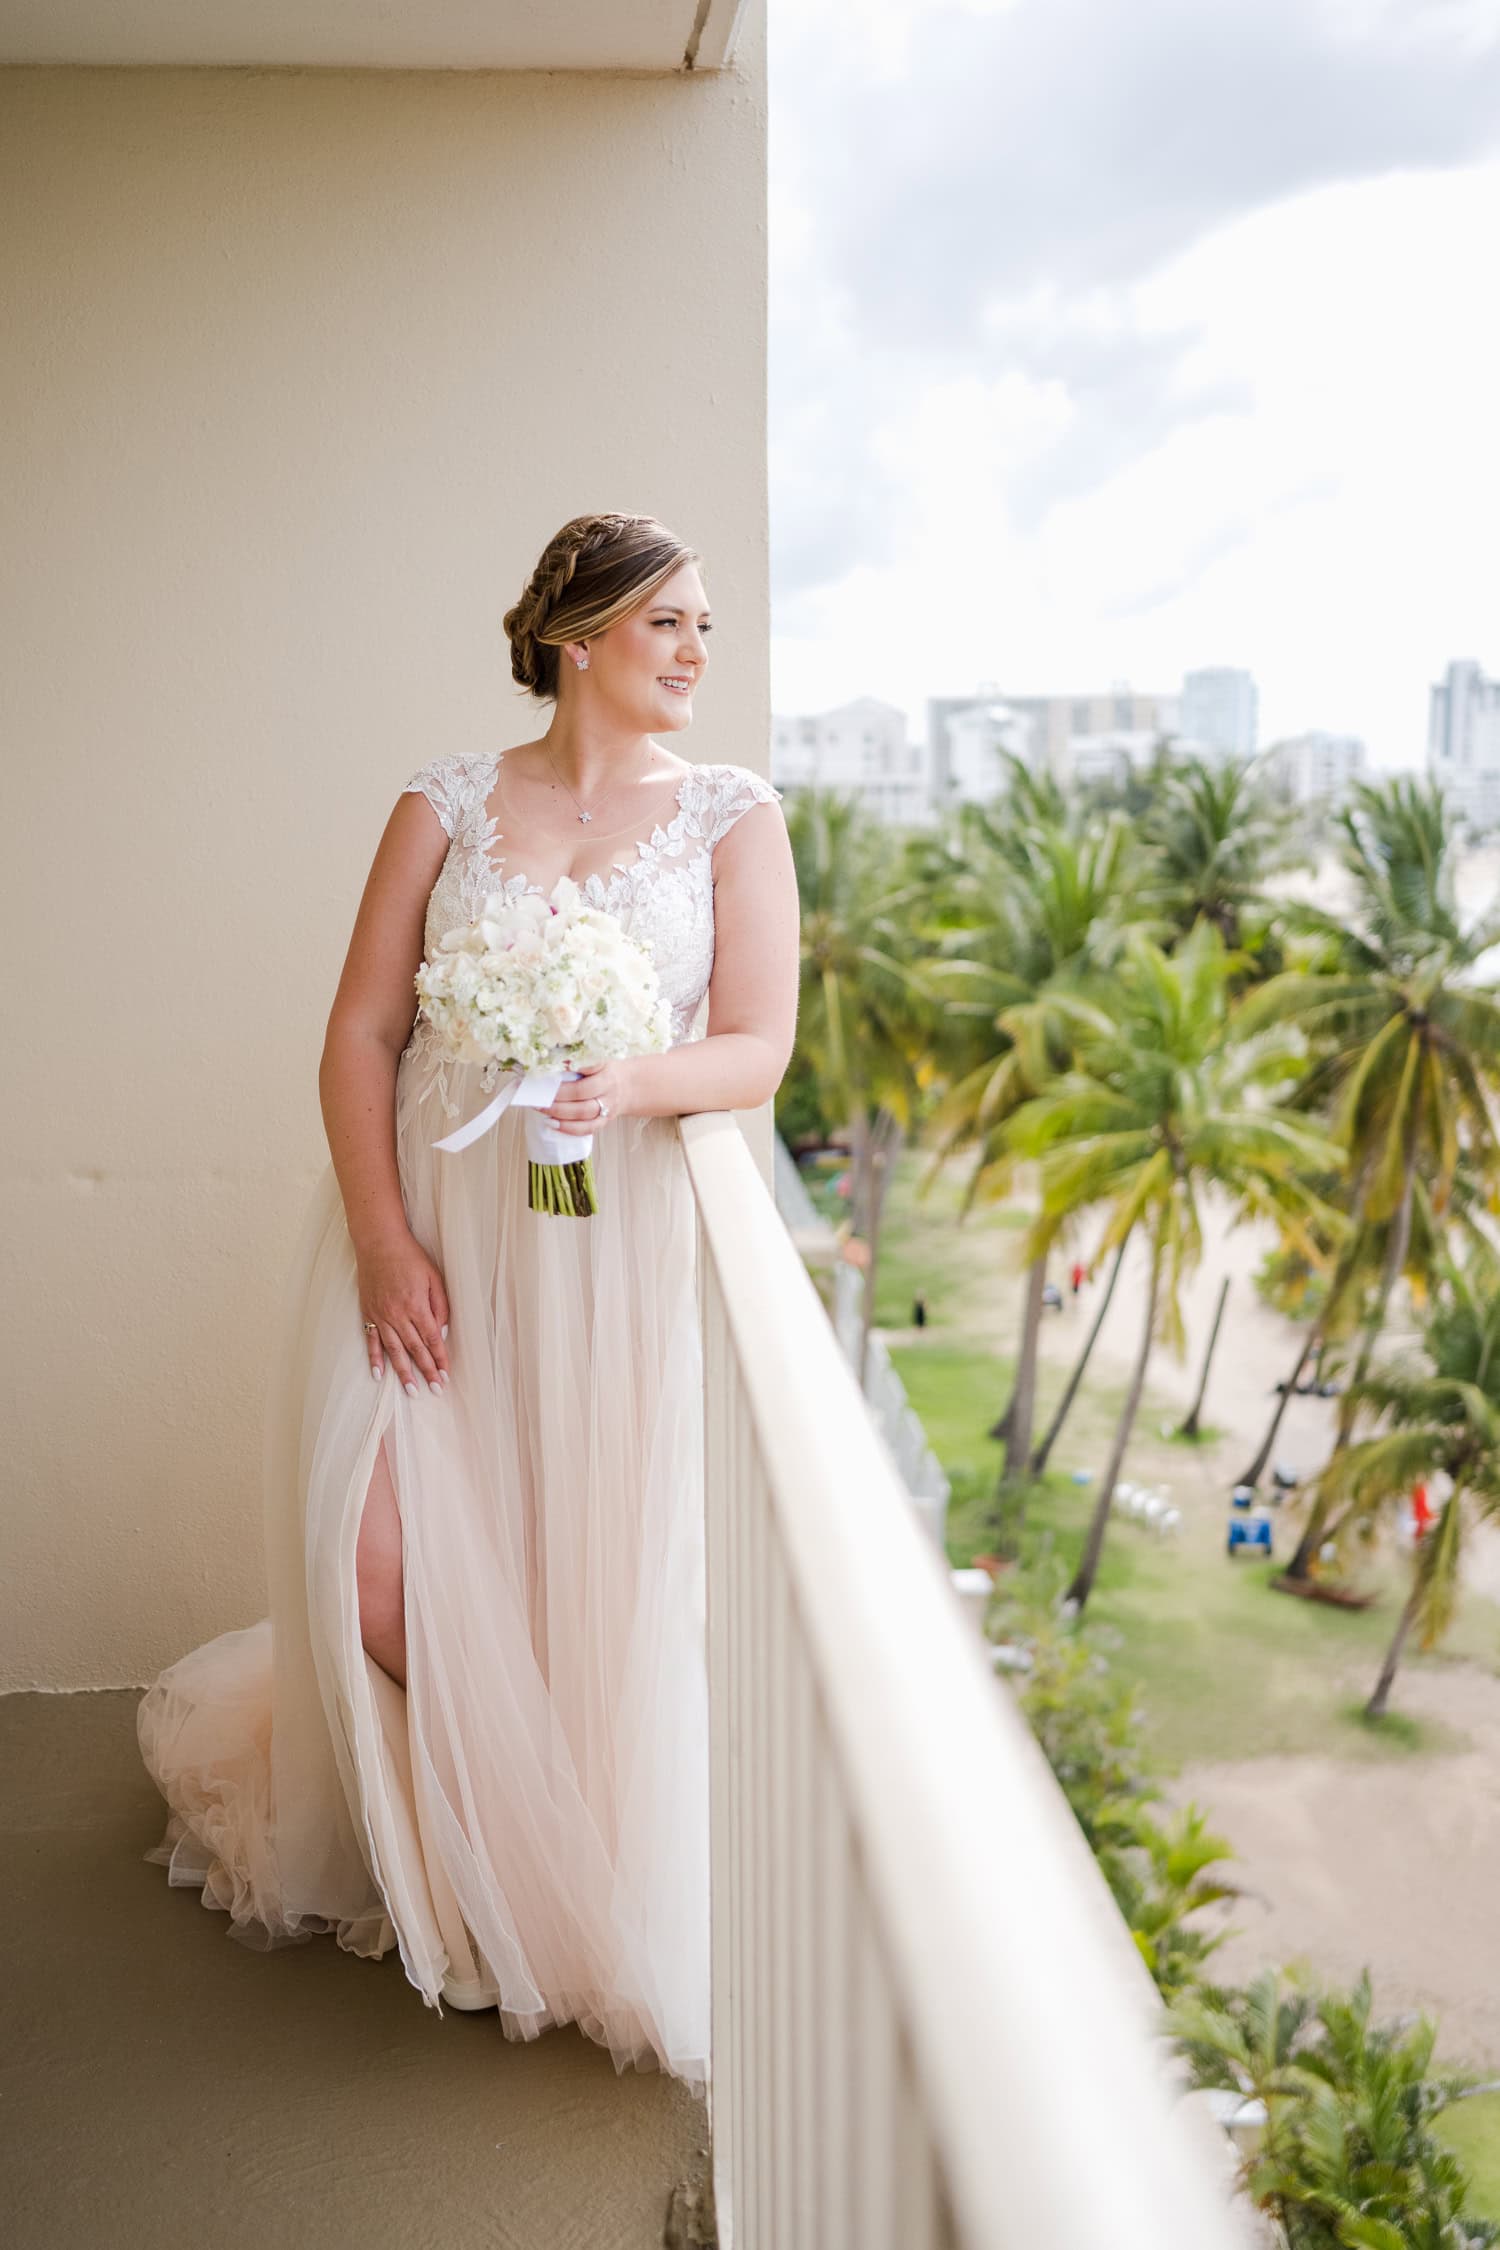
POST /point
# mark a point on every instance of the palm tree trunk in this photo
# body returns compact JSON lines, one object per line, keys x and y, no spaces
{"x":1021,"y":1413}
{"x":881,"y":1145}
{"x":1317,"y":1336}
{"x":1395,"y":1259}
{"x":859,"y":1142}
{"x":1435,"y":1570}
{"x":1316,"y":1530}
{"x":1314,"y":1533}
{"x":1043,"y":1453}
{"x":859,"y":1166}
{"x":1083,"y":1580}
{"x":1189,"y":1428}
{"x":1257,"y":1468}
{"x":1375,"y":1708}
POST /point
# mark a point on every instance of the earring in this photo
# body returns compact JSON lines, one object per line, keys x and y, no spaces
{"x":582,"y":662}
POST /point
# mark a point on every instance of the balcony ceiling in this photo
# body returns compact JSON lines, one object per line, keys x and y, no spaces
{"x":636,"y":35}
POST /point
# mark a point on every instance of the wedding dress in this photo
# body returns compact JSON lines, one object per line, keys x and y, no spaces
{"x":528,"y":1820}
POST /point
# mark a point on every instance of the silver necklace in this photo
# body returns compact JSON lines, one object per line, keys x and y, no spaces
{"x":581,"y":813}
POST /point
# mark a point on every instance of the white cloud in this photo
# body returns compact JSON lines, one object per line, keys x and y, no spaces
{"x":1273,"y":446}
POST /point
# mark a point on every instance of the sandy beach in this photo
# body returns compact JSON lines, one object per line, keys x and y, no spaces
{"x":1390,"y":1866}
{"x":1345,"y":1862}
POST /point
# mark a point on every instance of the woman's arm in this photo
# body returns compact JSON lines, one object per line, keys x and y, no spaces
{"x":368,"y":1026}
{"x":752,"y":995}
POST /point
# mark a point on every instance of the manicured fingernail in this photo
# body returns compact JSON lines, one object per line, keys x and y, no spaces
{"x":375,"y":1371}
{"x":411,"y":1390}
{"x":436,"y":1388}
{"x":445,"y":1331}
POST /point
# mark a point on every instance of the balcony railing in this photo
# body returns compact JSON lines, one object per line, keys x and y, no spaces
{"x":929,"y":2025}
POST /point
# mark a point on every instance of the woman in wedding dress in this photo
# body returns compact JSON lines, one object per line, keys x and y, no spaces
{"x":474,"y":1724}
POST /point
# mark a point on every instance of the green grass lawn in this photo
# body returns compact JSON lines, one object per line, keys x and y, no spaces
{"x":1225,"y":1668}
{"x":1472,"y":2130}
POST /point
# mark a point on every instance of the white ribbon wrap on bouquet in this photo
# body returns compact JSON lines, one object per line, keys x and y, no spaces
{"x":533,"y":1091}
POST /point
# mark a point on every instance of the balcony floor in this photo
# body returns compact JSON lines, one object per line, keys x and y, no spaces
{"x":165,"y":2088}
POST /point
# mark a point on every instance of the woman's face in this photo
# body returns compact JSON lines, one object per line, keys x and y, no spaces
{"x":647,"y":665}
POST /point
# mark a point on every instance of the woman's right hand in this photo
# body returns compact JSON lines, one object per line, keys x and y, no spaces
{"x":401,"y":1291}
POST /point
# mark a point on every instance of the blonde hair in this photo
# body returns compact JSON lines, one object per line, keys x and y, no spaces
{"x":590,"y":574}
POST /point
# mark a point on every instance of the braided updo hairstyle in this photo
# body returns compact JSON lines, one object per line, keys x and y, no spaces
{"x":590,"y":574}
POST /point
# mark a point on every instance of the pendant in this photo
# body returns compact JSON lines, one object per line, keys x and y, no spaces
{"x":585,"y":816}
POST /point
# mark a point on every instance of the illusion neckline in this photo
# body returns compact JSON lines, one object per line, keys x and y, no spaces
{"x":645,"y":848}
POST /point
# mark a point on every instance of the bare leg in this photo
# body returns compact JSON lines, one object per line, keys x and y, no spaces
{"x":378,"y":1573}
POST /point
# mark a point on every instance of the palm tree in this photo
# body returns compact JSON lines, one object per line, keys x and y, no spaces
{"x":1347,"y":2155}
{"x":862,"y":1012}
{"x":1132,"y":789}
{"x":1406,"y":1039}
{"x":1064,"y":1407}
{"x":1357,"y":1267}
{"x":1046,"y":913}
{"x":1192,"y":1424}
{"x":1346,"y":1272}
{"x":1169,"y":1097}
{"x":1442,"y":1424}
{"x":1217,"y":836}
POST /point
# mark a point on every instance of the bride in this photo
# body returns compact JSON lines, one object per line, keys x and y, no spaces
{"x":474,"y":1724}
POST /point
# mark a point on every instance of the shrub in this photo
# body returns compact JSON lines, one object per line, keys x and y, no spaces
{"x":1160,"y":1871}
{"x":1346,"y":2158}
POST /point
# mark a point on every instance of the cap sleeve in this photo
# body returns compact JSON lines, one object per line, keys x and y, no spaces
{"x":444,"y":783}
{"x":738,"y":790}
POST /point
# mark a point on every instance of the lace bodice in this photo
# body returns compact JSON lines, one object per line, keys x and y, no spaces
{"x":664,"y":894}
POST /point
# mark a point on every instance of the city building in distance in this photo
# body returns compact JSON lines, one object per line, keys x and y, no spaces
{"x":981,"y":738}
{"x":1071,"y":737}
{"x":860,"y":749}
{"x":1463,"y":743}
{"x":1315,"y":768}
{"x":1220,"y":712}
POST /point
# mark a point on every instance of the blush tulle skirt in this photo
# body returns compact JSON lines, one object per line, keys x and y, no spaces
{"x":528,"y":1820}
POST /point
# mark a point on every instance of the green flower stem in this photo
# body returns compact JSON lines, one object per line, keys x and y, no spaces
{"x":565,"y":1191}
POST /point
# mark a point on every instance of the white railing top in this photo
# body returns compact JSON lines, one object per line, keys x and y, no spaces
{"x":1031,"y":2018}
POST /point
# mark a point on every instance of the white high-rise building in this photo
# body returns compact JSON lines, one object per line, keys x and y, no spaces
{"x":1067,"y":736}
{"x":980,"y":738}
{"x":1220,"y":712}
{"x":1463,"y":742}
{"x":860,"y":747}
{"x":1316,"y":768}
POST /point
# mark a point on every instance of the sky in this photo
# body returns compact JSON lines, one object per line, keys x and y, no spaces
{"x":1111,"y":338}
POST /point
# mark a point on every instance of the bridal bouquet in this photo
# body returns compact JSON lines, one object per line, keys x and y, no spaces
{"x":537,"y":986}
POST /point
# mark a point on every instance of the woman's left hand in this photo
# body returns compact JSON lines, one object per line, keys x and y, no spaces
{"x":576,"y":1107}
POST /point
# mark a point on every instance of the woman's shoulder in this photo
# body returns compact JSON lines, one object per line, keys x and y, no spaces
{"x":449,"y":782}
{"x":728,"y":790}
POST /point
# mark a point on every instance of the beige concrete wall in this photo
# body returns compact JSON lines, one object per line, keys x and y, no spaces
{"x":297,"y":372}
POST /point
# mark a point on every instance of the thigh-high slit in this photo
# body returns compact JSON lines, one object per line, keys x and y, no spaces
{"x":379,"y":1568}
